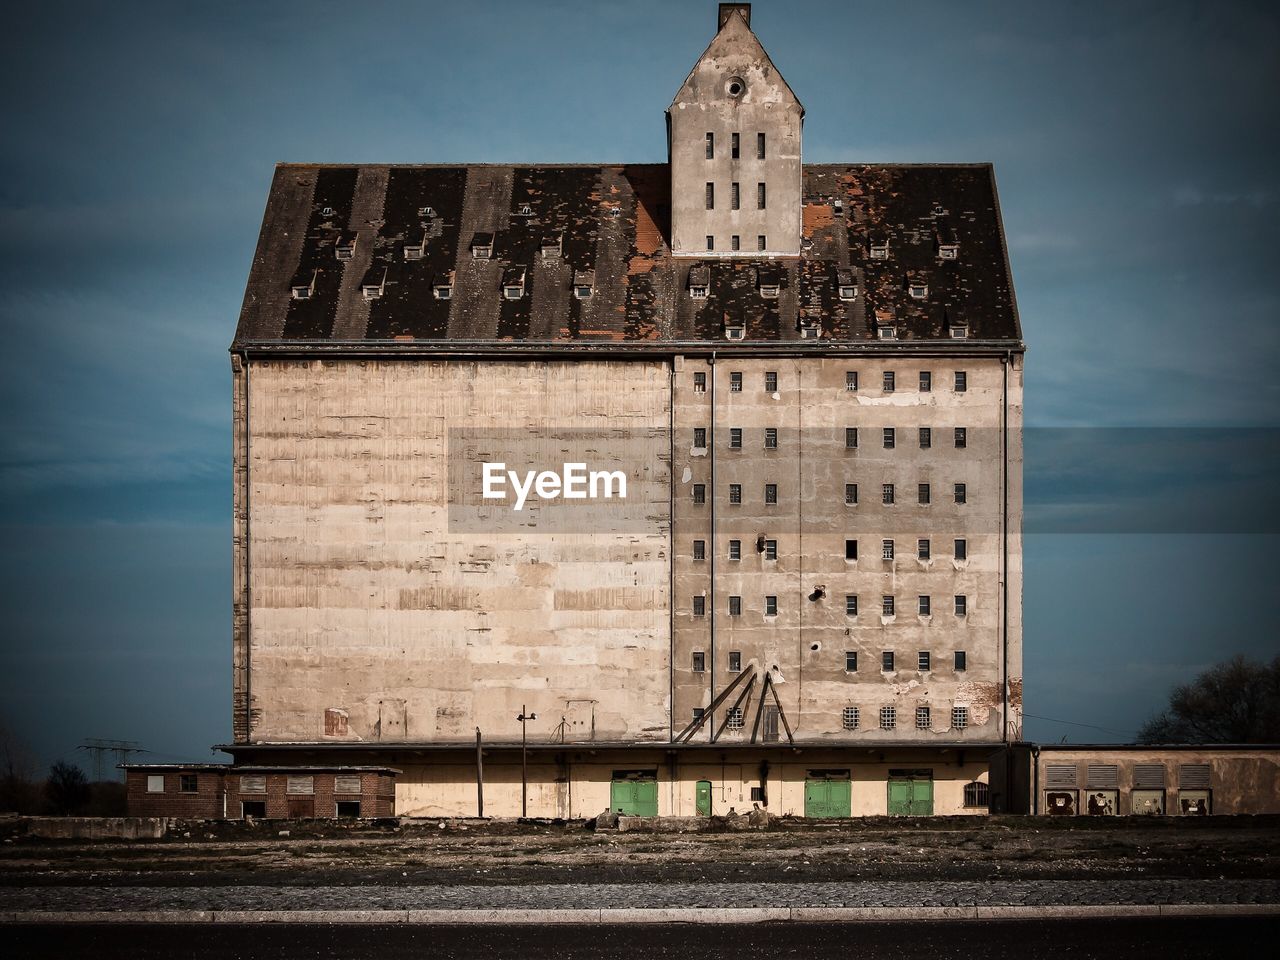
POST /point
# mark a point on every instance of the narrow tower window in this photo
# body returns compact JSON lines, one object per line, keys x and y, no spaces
{"x":735,"y":196}
{"x":733,"y":147}
{"x":711,"y":146}
{"x":759,"y":146}
{"x":711,"y":196}
{"x":760,"y":195}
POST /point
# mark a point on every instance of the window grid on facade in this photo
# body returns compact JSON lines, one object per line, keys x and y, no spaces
{"x":735,"y":195}
{"x":771,"y":438}
{"x":699,"y":664}
{"x":771,"y":549}
{"x":851,"y":494}
{"x":977,"y":794}
{"x":760,"y":196}
{"x":699,"y":713}
{"x":770,"y":606}
{"x":890,"y":438}
{"x":849,"y":718}
{"x":851,"y":605}
{"x":962,"y":605}
{"x":886,"y":549}
{"x":959,"y":717}
{"x":923,"y":550}
{"x":926,"y":438}
{"x":699,"y":493}
{"x":735,"y":661}
{"x":850,"y":438}
{"x":886,"y":493}
{"x":888,"y":718}
{"x":888,"y":381}
{"x":851,"y":380}
{"x":923,"y":660}
{"x":735,"y":549}
{"x":711,"y":146}
{"x":922,"y":718}
{"x":960,"y":660}
{"x":711,"y":196}
{"x":735,"y":606}
{"x":962,"y":438}
{"x":735,"y":493}
{"x":346,"y":784}
{"x":700,"y":437}
{"x":760,"y":151}
{"x":735,"y":146}
{"x":699,"y":606}
{"x":887,"y":605}
{"x":733,"y":719}
{"x":188,"y":783}
{"x":770,"y":493}
{"x":961,"y":493}
{"x":711,"y":245}
{"x":926,"y":381}
{"x":962,"y":381}
{"x":735,"y":241}
{"x":254,"y":783}
{"x":923,"y":605}
{"x":922,"y":494}
{"x":300,"y":784}
{"x":851,"y":661}
{"x":886,"y":661}
{"x":735,"y":382}
{"x":700,"y":382}
{"x":962,"y":550}
{"x":851,"y":549}
{"x":762,"y":242}
{"x":771,"y":381}
{"x":735,"y":438}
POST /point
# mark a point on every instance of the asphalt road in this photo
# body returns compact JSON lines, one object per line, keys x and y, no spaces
{"x":1167,"y":939}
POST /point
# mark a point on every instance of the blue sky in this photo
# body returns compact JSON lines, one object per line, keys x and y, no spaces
{"x":1135,"y":148}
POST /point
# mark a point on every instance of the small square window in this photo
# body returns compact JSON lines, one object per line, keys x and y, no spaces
{"x":771,"y":382}
{"x":926,"y":438}
{"x":347,"y":784}
{"x":887,"y":606}
{"x":851,"y":380}
{"x":850,"y":438}
{"x":851,"y":549}
{"x":700,"y":438}
{"x":735,"y":438}
{"x":886,"y":549}
{"x":922,"y":550}
{"x":256,"y":783}
{"x":959,"y":717}
{"x":762,"y":242}
{"x":922,"y":718}
{"x":889,"y":438}
{"x":771,"y":438}
{"x":770,"y":493}
{"x":888,"y":381}
{"x":926,"y":381}
{"x":700,"y":382}
{"x":733,"y":718}
{"x":923,"y":605}
{"x":300,"y":784}
{"x":922,"y":494}
{"x":188,"y":783}
{"x":849,"y":718}
{"x":851,"y":661}
{"x":735,"y":493}
{"x":699,"y":606}
{"x":735,"y":607}
{"x":851,"y":494}
{"x":699,"y":549}
{"x":851,"y":610}
{"x":735,"y":382}
{"x":155,"y":783}
{"x":770,"y":606}
{"x":886,"y":493}
{"x":961,"y":661}
{"x":699,"y":661}
{"x":888,"y":718}
{"x":962,"y":605}
{"x":699,"y":493}
{"x":962,"y":493}
{"x":923,"y":660}
{"x":962,"y":550}
{"x":771,"y":549}
{"x":962,"y":437}
{"x":962,"y":381}
{"x":735,"y":549}
{"x":699,"y":713}
{"x":735,"y":661}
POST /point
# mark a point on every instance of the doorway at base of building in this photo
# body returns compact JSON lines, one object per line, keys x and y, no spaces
{"x":910,"y":793}
{"x":827,"y":794}
{"x":702,"y":798}
{"x":634,"y":793}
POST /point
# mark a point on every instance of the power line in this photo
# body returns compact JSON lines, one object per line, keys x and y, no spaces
{"x":99,"y":749}
{"x":1073,"y":723}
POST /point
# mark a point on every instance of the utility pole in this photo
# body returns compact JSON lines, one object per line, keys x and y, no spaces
{"x":479,"y":776}
{"x":99,"y":748}
{"x":524,"y":762}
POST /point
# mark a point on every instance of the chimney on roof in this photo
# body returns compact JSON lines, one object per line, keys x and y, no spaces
{"x":729,"y":9}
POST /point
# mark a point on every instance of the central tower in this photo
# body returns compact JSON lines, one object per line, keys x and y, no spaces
{"x":734,"y":133}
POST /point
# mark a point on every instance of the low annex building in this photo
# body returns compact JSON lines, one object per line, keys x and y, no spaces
{"x":219,"y":791}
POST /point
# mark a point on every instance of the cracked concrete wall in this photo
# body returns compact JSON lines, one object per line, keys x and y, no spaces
{"x":363,"y":604}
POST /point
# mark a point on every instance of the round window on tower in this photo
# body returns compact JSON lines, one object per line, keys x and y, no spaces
{"x":735,"y":87}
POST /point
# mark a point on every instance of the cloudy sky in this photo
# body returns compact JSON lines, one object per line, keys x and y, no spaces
{"x":1135,"y":147}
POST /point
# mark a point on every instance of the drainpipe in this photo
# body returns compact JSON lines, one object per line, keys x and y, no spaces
{"x":711,"y":545}
{"x":1035,"y":780}
{"x":1004,"y":548}
{"x":671,"y":565}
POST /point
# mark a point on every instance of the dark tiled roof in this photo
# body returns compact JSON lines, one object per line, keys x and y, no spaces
{"x":610,"y":223}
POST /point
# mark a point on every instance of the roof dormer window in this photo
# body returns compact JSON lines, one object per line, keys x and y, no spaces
{"x":769,"y":281}
{"x":513,"y":284}
{"x":416,"y":249}
{"x":879,"y":247}
{"x":886,"y":329}
{"x":328,"y":213}
{"x":524,"y":210}
{"x":846,"y":285}
{"x":959,"y":331}
{"x":810,"y":329}
{"x":551,"y":248}
{"x":426,"y":213}
{"x":887,"y":333}
{"x":735,"y":331}
{"x":304,"y":285}
{"x":442,"y":286}
{"x":375,"y":283}
{"x":699,"y":282}
{"x":482,"y":246}
{"x":584,"y":284}
{"x":948,"y":251}
{"x":344,"y":248}
{"x":918,"y":288}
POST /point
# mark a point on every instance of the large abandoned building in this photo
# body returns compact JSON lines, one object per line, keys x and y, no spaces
{"x":803,"y":381}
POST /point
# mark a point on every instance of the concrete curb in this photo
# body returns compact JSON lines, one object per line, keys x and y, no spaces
{"x":495,"y":917}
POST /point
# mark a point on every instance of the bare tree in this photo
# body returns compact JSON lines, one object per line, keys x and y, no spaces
{"x":67,"y":789}
{"x":1234,"y":702}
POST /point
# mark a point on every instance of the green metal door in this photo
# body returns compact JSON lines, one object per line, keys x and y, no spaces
{"x":911,"y":793}
{"x":635,"y":798}
{"x":703,"y":798}
{"x":826,"y":799}
{"x":899,"y":798}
